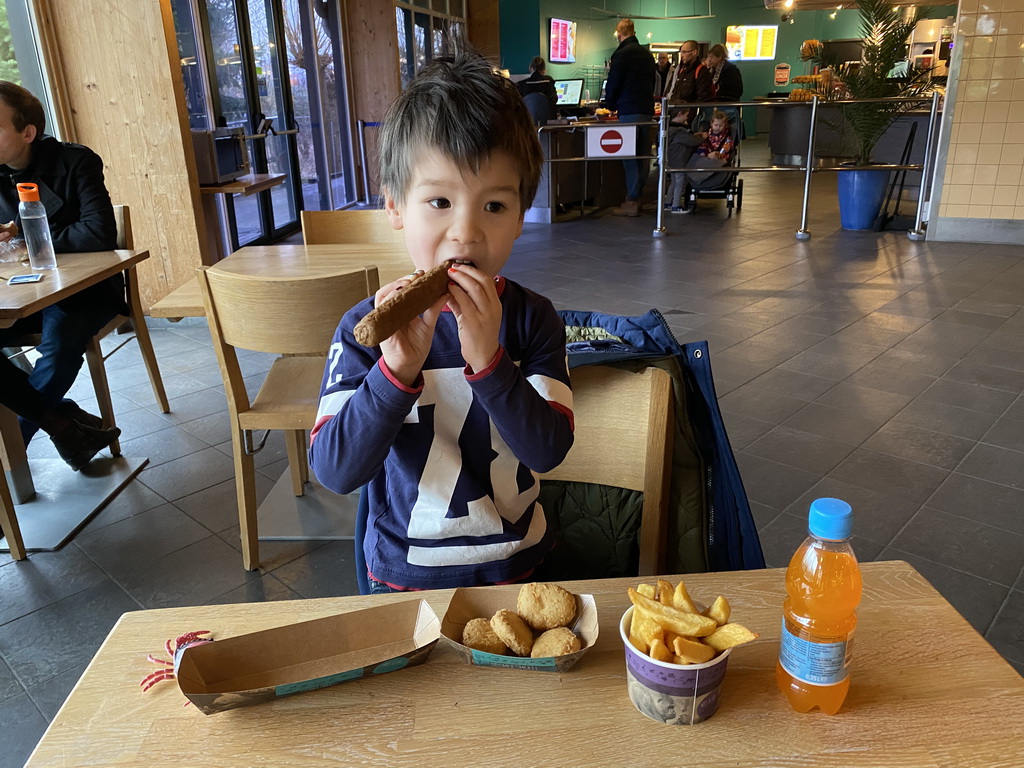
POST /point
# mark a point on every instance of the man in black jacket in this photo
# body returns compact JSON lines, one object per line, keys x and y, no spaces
{"x":691,"y":83}
{"x":81,"y":218}
{"x":630,"y":91}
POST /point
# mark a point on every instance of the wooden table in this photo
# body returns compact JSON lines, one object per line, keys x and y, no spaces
{"x":927,"y":691}
{"x":68,"y":498}
{"x":391,"y":259}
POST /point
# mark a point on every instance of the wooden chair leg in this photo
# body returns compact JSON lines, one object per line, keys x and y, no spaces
{"x":149,"y":357}
{"x":9,"y":521}
{"x":295,"y":443}
{"x":245,"y":489}
{"x":94,"y":357}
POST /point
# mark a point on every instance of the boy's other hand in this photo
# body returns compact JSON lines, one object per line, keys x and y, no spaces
{"x":405,"y":352}
{"x":474,"y":301}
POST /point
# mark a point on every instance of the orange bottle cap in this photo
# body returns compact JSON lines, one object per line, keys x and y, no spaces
{"x":28,"y":192}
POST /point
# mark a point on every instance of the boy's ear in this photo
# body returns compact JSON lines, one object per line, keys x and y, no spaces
{"x":393,"y":213}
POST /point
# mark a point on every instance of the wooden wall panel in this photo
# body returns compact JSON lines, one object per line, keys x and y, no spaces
{"x":483,"y":27}
{"x":371,"y":40}
{"x":124,"y":89}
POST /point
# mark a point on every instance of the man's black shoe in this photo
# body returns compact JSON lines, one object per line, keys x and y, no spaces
{"x":78,"y":443}
{"x":71,"y":411}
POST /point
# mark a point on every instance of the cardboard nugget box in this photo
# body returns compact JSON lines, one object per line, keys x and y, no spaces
{"x":262,"y":666}
{"x":483,"y":602}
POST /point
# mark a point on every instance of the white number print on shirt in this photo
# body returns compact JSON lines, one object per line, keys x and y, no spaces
{"x":447,"y":390}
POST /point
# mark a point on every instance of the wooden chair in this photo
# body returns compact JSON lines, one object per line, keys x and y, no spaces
{"x":623,"y":438}
{"x":295,"y":317}
{"x":331,"y":227}
{"x":9,"y":520}
{"x":94,"y":356}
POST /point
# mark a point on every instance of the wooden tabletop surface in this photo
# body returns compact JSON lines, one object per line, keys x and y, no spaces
{"x":927,"y":690}
{"x":391,"y":259}
{"x":75,"y":271}
{"x":245,"y":185}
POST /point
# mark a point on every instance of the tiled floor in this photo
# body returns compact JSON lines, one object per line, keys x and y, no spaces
{"x":860,"y":365}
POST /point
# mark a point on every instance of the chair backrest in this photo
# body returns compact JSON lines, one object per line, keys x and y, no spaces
{"x":332,"y":227}
{"x":123,"y":217}
{"x":288,"y":316}
{"x":623,"y":438}
{"x":538,"y":106}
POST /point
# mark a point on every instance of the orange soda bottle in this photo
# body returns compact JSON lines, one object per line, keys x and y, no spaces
{"x":823,"y":587}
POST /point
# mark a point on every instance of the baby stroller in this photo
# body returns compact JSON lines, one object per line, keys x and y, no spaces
{"x":722,"y":183}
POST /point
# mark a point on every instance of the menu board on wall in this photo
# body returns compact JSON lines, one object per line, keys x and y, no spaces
{"x":563,"y":41}
{"x":751,"y":43}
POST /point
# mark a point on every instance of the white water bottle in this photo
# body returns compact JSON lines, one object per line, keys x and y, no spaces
{"x":35,"y":228}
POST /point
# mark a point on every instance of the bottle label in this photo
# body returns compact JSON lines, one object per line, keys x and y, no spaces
{"x":813,"y":659}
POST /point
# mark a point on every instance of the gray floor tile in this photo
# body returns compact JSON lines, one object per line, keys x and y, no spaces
{"x":138,"y":542}
{"x":795,"y":384}
{"x":920,"y":445}
{"x":1007,"y":631}
{"x":744,"y":430}
{"x":799,"y":449}
{"x":160,"y":447}
{"x":834,"y":423}
{"x":1006,"y":433}
{"x":990,"y":503}
{"x":771,"y":483}
{"x":326,"y":572}
{"x":1000,"y":465}
{"x":9,"y":685}
{"x":863,"y":400}
{"x":265,"y":589}
{"x":757,"y":403}
{"x":22,"y":726}
{"x":216,"y":507}
{"x":889,"y":475}
{"x":63,"y":635}
{"x":891,"y":377}
{"x":191,"y":576}
{"x":43,"y":579}
{"x":49,"y":695}
{"x":876,"y":516}
{"x":132,"y":500}
{"x":969,"y":396}
{"x":944,"y":418}
{"x":212,"y":430}
{"x":987,"y":376}
{"x":974,"y":598}
{"x":981,"y":550}
{"x":189,"y":474}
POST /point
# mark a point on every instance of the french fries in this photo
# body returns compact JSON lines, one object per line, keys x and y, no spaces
{"x":667,"y":626}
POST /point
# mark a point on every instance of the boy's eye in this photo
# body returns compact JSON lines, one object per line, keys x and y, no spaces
{"x":494,"y":207}
{"x":439,"y":202}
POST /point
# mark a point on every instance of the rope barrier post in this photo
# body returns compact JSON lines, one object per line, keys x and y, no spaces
{"x":659,"y":223}
{"x":361,"y":130}
{"x":917,"y":233}
{"x":803,"y":233}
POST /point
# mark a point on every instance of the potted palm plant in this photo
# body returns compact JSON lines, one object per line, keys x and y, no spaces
{"x":885,"y":30}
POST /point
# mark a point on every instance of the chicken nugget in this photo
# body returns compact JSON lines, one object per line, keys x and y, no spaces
{"x":479,"y":636}
{"x":555,"y":642}
{"x":10,"y":228}
{"x":546,"y":606}
{"x":512,"y":631}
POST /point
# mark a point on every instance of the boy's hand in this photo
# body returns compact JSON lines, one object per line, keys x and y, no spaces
{"x":405,"y":352}
{"x":474,"y":301}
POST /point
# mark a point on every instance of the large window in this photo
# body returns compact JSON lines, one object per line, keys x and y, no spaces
{"x":20,"y":61}
{"x":421,"y":25}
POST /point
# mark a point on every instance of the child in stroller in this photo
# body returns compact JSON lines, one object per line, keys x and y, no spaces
{"x":715,"y":149}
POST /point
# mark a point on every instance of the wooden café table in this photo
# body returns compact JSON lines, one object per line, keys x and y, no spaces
{"x":63,"y":500}
{"x":926,"y":691}
{"x":391,"y":259}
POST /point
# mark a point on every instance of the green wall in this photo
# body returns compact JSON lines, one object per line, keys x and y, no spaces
{"x":524,"y":25}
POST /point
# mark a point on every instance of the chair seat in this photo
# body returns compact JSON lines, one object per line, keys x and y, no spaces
{"x":289,"y":395}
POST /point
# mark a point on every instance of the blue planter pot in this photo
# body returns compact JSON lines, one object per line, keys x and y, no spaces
{"x":860,"y":197}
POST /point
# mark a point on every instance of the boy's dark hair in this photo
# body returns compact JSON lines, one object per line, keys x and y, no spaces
{"x":460,"y":106}
{"x":26,"y":108}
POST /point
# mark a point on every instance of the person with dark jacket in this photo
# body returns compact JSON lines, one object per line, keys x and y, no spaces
{"x":691,"y":82}
{"x":81,"y":218}
{"x":630,"y":91}
{"x":726,"y":81}
{"x":540,"y":82}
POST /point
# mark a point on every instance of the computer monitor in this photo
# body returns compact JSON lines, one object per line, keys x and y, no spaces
{"x":604,"y":89}
{"x":569,"y":92}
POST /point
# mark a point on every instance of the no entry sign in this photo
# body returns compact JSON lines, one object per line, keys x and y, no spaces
{"x":611,"y":141}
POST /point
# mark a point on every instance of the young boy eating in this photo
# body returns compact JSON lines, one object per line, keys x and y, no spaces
{"x":449,"y":420}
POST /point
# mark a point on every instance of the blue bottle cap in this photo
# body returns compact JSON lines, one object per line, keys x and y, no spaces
{"x":830,"y":519}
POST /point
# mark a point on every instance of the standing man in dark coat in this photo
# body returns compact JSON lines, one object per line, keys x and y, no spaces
{"x":692,"y":83}
{"x":81,"y":218}
{"x":630,"y":91}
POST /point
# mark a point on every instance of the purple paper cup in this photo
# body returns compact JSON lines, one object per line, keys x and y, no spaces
{"x":674,"y":694}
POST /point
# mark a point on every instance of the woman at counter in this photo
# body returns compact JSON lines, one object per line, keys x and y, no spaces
{"x":726,"y":79}
{"x":541,"y":83}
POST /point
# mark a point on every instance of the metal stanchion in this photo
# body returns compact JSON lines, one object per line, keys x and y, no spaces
{"x":659,"y":225}
{"x":803,"y":233}
{"x":917,"y":233}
